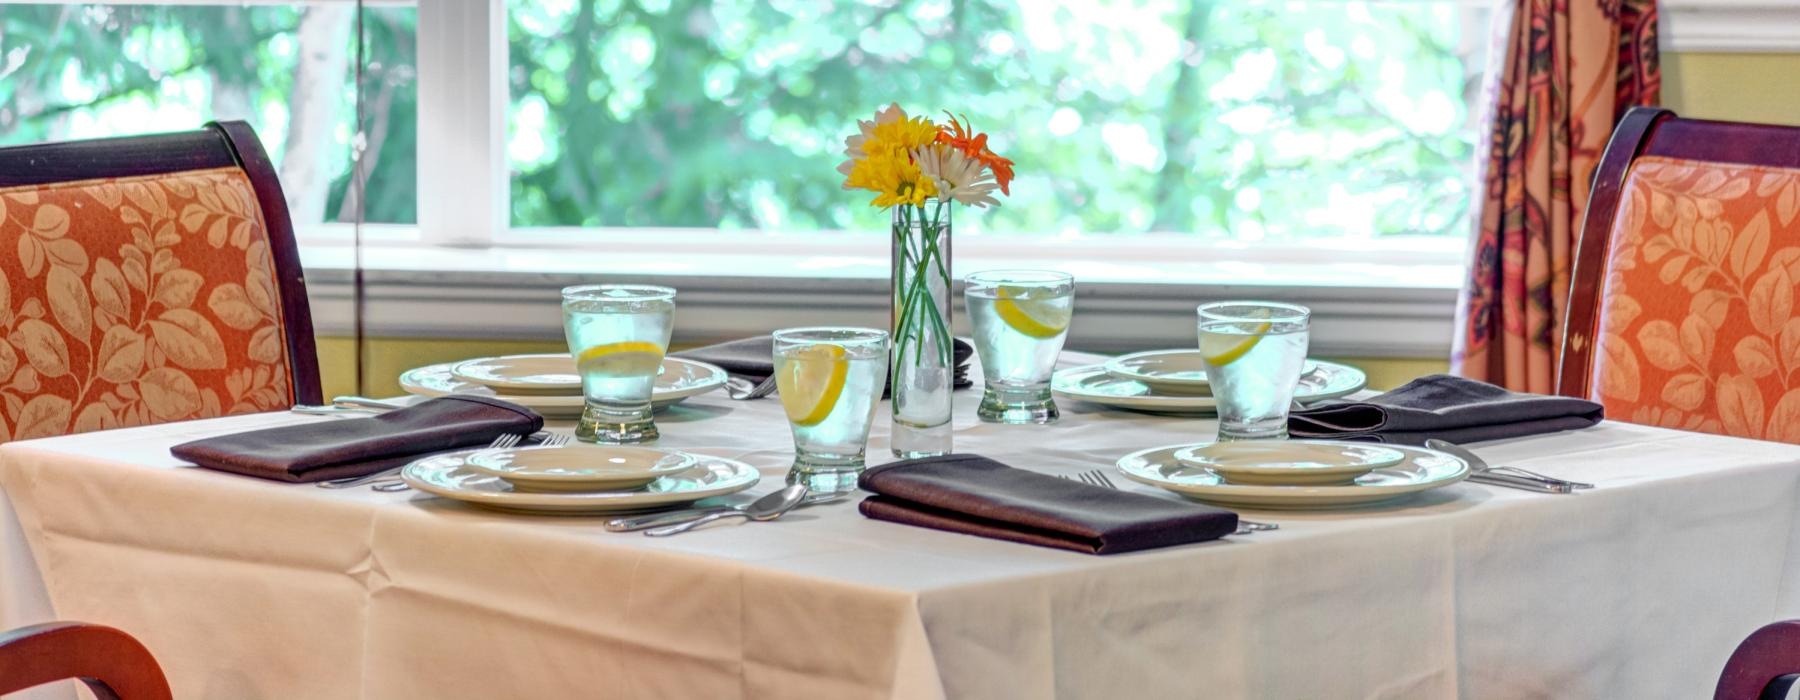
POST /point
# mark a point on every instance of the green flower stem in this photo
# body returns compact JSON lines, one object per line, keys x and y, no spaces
{"x":918,"y":313}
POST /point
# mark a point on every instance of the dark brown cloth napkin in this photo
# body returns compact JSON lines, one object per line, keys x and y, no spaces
{"x":344,"y":447}
{"x":975,"y":495}
{"x":754,"y":358}
{"x":1447,"y":408}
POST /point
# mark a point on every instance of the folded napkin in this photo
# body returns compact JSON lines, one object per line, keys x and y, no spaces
{"x":345,"y":447}
{"x":1447,"y":408}
{"x":753,"y":358}
{"x":975,"y":495}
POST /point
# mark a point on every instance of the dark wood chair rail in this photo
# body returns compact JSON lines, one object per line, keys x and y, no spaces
{"x":113,"y":664}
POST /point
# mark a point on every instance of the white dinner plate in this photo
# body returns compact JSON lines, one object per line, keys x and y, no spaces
{"x":1423,"y":470}
{"x":449,"y":476}
{"x":579,"y":466}
{"x":1290,"y":462}
{"x":1093,"y":384}
{"x":1177,"y":372}
{"x":522,"y":374}
{"x":679,"y":380}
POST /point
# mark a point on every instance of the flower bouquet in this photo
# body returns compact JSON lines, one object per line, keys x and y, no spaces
{"x":920,"y":169}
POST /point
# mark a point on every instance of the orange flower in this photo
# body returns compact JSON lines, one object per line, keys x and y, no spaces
{"x":958,"y":135}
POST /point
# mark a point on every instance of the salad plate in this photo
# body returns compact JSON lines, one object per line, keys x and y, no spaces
{"x":1093,"y":384}
{"x":449,"y":476}
{"x":1422,"y":470}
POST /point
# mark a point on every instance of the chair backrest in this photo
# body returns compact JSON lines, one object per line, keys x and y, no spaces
{"x":148,"y":279}
{"x":1765,"y":665}
{"x":114,"y":665}
{"x":1681,"y":307}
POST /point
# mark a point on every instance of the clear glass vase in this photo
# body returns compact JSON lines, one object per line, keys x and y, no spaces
{"x":922,"y":367}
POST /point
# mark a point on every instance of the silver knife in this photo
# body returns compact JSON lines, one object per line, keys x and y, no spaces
{"x":644,"y":522}
{"x":1504,"y":476}
{"x":1518,"y":482}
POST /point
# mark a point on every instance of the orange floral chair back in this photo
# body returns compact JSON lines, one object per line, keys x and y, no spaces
{"x":1682,"y":311}
{"x":147,"y":280}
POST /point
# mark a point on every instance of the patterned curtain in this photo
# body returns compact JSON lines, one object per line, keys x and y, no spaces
{"x":1562,"y":73}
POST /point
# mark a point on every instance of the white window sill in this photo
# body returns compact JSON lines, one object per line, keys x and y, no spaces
{"x":1371,"y":298}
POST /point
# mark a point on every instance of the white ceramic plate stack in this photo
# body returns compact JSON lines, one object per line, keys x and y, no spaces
{"x":578,"y":478}
{"x":1174,"y":382}
{"x":1297,"y":474}
{"x":548,"y":384}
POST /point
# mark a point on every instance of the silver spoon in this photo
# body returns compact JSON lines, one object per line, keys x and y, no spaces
{"x":645,"y":522}
{"x":768,"y":507}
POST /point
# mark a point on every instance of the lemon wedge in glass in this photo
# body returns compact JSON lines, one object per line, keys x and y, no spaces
{"x":810,"y":380}
{"x":622,"y":359}
{"x":1220,"y":349}
{"x":1038,"y":318}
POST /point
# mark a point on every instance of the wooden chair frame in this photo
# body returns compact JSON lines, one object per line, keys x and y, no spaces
{"x":1764,"y":666}
{"x":229,"y":144}
{"x":1647,"y":131}
{"x":113,"y":664}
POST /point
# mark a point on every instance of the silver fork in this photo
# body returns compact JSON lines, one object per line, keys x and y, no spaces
{"x":393,"y":484}
{"x":507,"y":440}
{"x":1099,"y":478}
{"x":741,"y":389}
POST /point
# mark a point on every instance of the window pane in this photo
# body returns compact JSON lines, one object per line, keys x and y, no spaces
{"x":73,"y":70}
{"x":1229,"y":119}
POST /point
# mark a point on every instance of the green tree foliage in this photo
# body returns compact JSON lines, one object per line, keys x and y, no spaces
{"x":1226,"y":119}
{"x":84,"y":71}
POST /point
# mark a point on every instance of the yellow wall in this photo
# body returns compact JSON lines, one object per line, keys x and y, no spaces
{"x":1740,"y":87}
{"x":388,"y":357}
{"x":1748,"y":87}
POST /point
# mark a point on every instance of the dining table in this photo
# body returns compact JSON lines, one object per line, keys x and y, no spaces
{"x":249,"y":589}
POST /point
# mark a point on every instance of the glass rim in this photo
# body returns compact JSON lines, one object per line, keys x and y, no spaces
{"x":1011,"y":275}
{"x":1294,"y":312}
{"x":640,"y":292}
{"x":845,"y":334}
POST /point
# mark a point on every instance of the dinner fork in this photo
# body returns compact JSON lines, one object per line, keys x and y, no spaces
{"x":507,"y":440}
{"x":1095,"y":477}
{"x":548,"y":439}
{"x":740,"y":389}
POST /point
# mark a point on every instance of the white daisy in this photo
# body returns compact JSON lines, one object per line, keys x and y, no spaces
{"x":957,"y":176}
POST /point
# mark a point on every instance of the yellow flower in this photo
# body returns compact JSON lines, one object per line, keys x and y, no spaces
{"x":893,"y":177}
{"x":900,"y":136}
{"x":890,"y":132}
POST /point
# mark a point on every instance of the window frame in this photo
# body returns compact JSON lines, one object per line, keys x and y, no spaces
{"x":462,"y":271}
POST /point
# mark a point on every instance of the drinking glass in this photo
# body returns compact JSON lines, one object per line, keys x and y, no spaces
{"x":1253,"y":352}
{"x":618,"y":334}
{"x":829,"y":380}
{"x":1021,"y":318}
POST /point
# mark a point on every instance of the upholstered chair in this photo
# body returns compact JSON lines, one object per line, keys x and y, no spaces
{"x":146,"y":280}
{"x":1682,"y":308}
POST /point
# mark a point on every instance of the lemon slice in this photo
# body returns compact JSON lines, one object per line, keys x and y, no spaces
{"x":1038,"y":318}
{"x":810,"y":380}
{"x":622,"y":359}
{"x":1220,"y":349}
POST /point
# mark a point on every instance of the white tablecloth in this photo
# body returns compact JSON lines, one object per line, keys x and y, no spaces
{"x":250,"y":589}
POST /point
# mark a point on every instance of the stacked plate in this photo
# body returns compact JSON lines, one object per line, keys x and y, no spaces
{"x":1174,"y":381}
{"x":1294,"y":474}
{"x":548,"y":384}
{"x":578,"y":478}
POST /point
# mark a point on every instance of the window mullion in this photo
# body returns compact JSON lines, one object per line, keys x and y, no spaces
{"x":462,"y":168}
